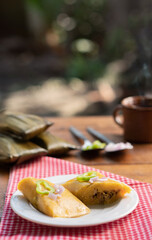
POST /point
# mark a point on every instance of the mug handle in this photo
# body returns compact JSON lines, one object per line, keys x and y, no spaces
{"x":116,"y":115}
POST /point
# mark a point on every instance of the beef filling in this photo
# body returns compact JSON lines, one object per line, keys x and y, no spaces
{"x":105,"y":195}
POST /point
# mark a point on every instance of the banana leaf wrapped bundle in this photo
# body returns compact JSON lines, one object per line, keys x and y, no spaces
{"x":22,"y":126}
{"x":53,"y":144}
{"x":12,"y":150}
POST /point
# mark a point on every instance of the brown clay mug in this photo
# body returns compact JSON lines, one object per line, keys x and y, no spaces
{"x":136,"y":118}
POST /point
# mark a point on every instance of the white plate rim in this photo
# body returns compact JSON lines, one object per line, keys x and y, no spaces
{"x":17,"y":199}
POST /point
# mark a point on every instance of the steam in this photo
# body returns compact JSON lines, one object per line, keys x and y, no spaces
{"x":142,"y":32}
{"x":143,"y":81}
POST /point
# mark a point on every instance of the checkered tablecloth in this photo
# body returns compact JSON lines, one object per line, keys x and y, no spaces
{"x":136,"y":225}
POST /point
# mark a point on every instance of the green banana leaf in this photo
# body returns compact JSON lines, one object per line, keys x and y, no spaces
{"x":22,"y":126}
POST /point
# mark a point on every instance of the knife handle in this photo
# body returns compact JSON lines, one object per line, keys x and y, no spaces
{"x":98,"y":135}
{"x":77,"y":133}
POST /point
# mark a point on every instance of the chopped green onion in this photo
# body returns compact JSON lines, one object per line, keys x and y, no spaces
{"x":97,"y":144}
{"x":47,"y":187}
{"x":87,"y":148}
{"x":85,"y":177}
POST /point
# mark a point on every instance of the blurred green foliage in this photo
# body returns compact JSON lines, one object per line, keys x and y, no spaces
{"x":84,"y":68}
{"x":49,"y":8}
{"x":119,"y":43}
{"x":75,"y":20}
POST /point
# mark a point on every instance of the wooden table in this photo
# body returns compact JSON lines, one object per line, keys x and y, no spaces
{"x":135,"y":163}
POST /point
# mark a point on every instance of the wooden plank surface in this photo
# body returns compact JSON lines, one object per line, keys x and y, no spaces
{"x":135,"y":163}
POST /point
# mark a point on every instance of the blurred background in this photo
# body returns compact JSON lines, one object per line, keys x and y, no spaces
{"x":74,"y":57}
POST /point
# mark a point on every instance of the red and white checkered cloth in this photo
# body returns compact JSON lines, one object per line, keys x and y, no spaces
{"x":137,"y":225}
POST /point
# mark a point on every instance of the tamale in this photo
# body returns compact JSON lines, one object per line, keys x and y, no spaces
{"x":22,"y":126}
{"x":94,"y":188}
{"x":53,"y":144}
{"x":12,"y":150}
{"x":59,"y":203}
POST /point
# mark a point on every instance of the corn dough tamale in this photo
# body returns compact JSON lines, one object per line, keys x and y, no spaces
{"x":22,"y":126}
{"x":40,"y":194}
{"x":53,"y":144}
{"x":12,"y":150}
{"x":94,"y":188}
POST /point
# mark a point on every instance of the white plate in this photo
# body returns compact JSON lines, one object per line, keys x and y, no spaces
{"x":98,"y":214}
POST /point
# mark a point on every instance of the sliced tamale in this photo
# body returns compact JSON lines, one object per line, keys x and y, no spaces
{"x":51,"y":199}
{"x":22,"y":126}
{"x":53,"y":144}
{"x":94,"y":188}
{"x":12,"y":150}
